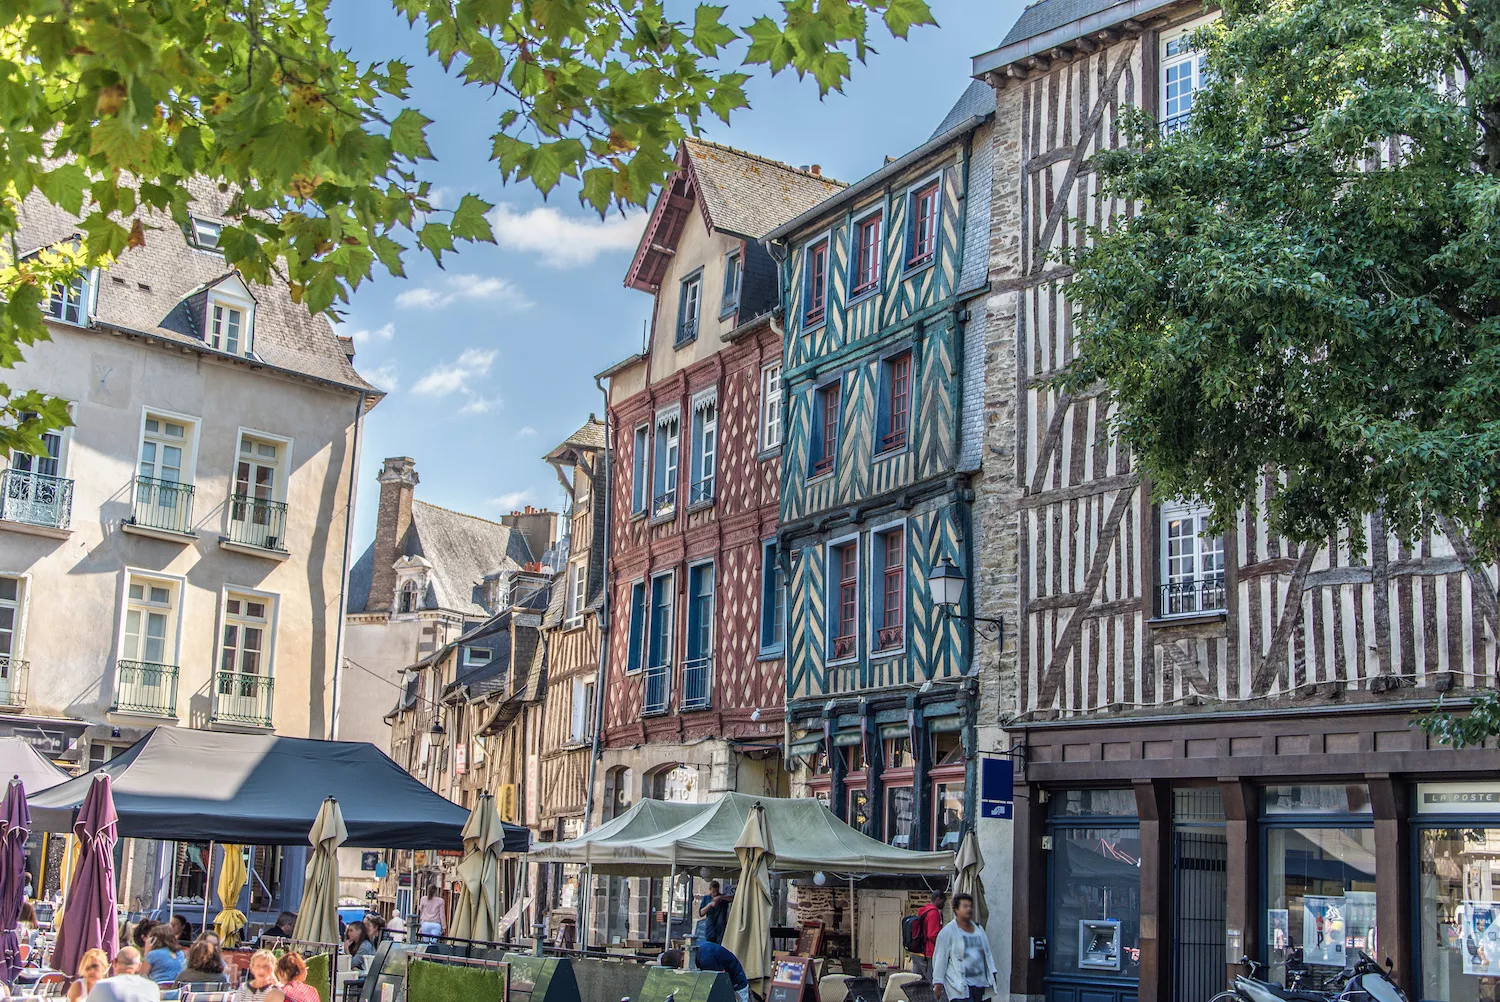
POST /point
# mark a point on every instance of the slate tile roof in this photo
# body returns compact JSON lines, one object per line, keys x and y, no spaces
{"x":750,"y":195}
{"x":1048,"y":14}
{"x":978,"y":99}
{"x":147,"y":290}
{"x":590,"y":436}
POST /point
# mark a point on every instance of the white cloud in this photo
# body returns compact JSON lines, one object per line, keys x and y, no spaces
{"x":457,"y":376}
{"x":438,"y":196}
{"x":480,"y":405}
{"x":379,"y":335}
{"x":490,"y":288}
{"x":565,"y":241}
{"x":514,"y":500}
{"x":387,"y":377}
{"x":526,"y":432}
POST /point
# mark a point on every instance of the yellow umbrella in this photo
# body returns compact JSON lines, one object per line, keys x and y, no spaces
{"x":318,"y":918}
{"x":747,"y":934}
{"x":480,"y":909}
{"x":967,"y":868}
{"x":65,"y":877}
{"x":231,"y":920}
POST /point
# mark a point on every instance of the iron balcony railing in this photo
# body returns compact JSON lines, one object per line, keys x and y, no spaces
{"x":686,"y":331}
{"x":36,"y":499}
{"x":701,"y":492}
{"x":1175,"y":124}
{"x":664,"y":504}
{"x":163,"y":504}
{"x":147,"y":688}
{"x":242,"y":698}
{"x":697,"y":683}
{"x":1192,"y":595}
{"x":658,"y":690}
{"x":257,"y":522}
{"x":15,"y":676}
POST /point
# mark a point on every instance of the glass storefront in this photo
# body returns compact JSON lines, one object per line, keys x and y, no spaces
{"x":1458,"y":891}
{"x":948,"y":800}
{"x":1096,"y":885}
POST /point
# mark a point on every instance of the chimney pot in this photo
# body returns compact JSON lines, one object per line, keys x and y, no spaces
{"x":817,"y":169}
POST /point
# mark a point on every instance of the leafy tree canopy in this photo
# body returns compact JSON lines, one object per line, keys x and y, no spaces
{"x":1310,"y":284}
{"x":108,"y":107}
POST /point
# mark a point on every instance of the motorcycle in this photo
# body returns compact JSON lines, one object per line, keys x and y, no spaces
{"x":1365,"y":981}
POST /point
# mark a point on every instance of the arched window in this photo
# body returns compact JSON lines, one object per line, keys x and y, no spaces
{"x":408,"y":599}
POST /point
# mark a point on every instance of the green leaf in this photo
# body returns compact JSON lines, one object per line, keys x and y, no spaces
{"x":469,"y":219}
{"x":710,"y":33}
{"x":409,"y":135}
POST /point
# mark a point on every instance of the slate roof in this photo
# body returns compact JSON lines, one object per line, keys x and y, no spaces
{"x":978,"y":99}
{"x":751,"y":195}
{"x":590,"y":436}
{"x":148,"y":290}
{"x":461,"y":548}
{"x":1048,"y":14}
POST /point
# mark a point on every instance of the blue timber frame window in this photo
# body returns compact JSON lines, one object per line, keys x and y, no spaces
{"x":689,"y":308}
{"x":843,"y":599}
{"x":733,"y":272}
{"x":659,"y":641}
{"x":697,"y":668}
{"x":668,"y":458}
{"x":637,"y":638}
{"x":772,"y":600}
{"x":923,"y":205}
{"x":865,"y":253}
{"x":815,"y":283}
{"x":893,"y":417}
{"x":640,"y":472}
{"x":823,"y":441}
{"x":888,"y":588}
{"x":705,"y":446}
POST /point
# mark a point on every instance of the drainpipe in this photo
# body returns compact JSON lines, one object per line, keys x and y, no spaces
{"x":338,"y":642}
{"x":602,"y":678}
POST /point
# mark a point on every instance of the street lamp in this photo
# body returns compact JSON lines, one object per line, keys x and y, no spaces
{"x":946,"y":584}
{"x":436,"y":730}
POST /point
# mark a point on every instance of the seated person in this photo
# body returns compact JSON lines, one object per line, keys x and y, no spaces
{"x":125,"y":985}
{"x":713,"y":957}
{"x":205,"y":964}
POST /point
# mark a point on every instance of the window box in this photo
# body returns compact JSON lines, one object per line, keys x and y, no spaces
{"x":843,"y":647}
{"x":145,"y":689}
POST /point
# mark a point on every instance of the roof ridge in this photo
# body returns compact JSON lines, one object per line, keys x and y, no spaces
{"x":768,"y":160}
{"x":463,"y":514}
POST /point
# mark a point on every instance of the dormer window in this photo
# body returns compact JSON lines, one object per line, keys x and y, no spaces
{"x":732,"y":270}
{"x":203,"y":233}
{"x":407,"y":600}
{"x":229,"y":318}
{"x":69,"y":303}
{"x":226,"y":324}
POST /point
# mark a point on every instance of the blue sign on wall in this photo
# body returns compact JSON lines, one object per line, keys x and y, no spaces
{"x":997,"y":788}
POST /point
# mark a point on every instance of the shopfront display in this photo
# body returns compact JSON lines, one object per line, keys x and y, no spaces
{"x":1458,"y":891}
{"x":1095,"y":889}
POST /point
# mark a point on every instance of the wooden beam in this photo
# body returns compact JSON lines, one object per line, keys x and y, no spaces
{"x":663,"y":249}
{"x":1265,"y":669}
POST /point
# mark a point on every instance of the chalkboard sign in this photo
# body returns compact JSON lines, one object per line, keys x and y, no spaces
{"x":810,"y":942}
{"x":791,"y":980}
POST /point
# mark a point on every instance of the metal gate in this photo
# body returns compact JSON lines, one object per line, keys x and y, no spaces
{"x":1201,"y":885}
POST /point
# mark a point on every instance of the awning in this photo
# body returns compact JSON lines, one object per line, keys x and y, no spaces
{"x":262,"y":789}
{"x":19,"y":757}
{"x":654,"y":836}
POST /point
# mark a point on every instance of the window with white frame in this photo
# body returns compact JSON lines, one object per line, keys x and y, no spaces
{"x":70,"y":303}
{"x":256,"y":512}
{"x":705,"y":459}
{"x":732,"y":272}
{"x":52,"y":462}
{"x":247,"y":633}
{"x":226,"y":327}
{"x":10,"y":618}
{"x":573,"y":616}
{"x":770,"y":406}
{"x":660,"y":635}
{"x":689,"y":306}
{"x":580,"y":728}
{"x":1183,"y":74}
{"x":150,"y":631}
{"x":477,"y":657}
{"x":640,"y":471}
{"x":203,"y":233}
{"x":772,"y":600}
{"x":166,"y":449}
{"x":636,"y":637}
{"x":1192,"y":562}
{"x":664,"y":475}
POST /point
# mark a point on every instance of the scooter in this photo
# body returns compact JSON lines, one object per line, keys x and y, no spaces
{"x":1366,"y":981}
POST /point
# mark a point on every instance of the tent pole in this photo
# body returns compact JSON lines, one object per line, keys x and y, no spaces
{"x":671,"y":902}
{"x":172,"y":887}
{"x":586,"y":908}
{"x":854,"y":924}
{"x":208,"y":879}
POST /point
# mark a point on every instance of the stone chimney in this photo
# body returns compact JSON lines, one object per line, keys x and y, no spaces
{"x":537,"y":526}
{"x":398,"y":481}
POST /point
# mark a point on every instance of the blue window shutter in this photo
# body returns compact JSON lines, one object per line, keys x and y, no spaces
{"x":637,"y":624}
{"x":883,"y":405}
{"x":695,"y":473}
{"x":815,"y":431}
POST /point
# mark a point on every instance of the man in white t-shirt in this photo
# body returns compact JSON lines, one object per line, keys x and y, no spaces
{"x":126,"y":985}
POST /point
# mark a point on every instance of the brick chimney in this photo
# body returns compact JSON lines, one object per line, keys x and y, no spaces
{"x":537,"y":526}
{"x":398,"y":481}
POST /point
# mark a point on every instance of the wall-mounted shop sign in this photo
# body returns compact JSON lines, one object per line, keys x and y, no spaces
{"x":997,"y":788}
{"x":1458,"y":798}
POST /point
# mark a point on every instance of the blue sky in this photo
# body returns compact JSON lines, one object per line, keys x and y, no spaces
{"x":490,"y":362}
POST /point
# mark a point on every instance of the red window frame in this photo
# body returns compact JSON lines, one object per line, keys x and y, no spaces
{"x":848,"y":600}
{"x":867,"y":254}
{"x":817,"y":282}
{"x":899,"y":404}
{"x":893,"y":587}
{"x":829,"y":449}
{"x":924,"y":226}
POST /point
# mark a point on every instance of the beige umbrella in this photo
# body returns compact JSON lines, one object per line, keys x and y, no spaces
{"x":480,"y":908}
{"x":318,"y":918}
{"x":966,"y":878}
{"x":748,"y":932}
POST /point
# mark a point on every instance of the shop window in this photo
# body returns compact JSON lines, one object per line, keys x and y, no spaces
{"x":1095,"y":899}
{"x":948,"y":825}
{"x":854,"y":758}
{"x":1459,"y":888}
{"x":898,"y":753}
{"x":947,"y":748}
{"x":859,"y":809}
{"x":1320,"y":901}
{"x":1317,"y":800}
{"x":1092,"y":804}
{"x":900,"y":806}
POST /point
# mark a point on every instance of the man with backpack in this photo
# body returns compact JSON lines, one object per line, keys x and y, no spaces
{"x":919,"y":934}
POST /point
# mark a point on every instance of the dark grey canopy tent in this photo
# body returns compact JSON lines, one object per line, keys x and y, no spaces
{"x":262,"y":789}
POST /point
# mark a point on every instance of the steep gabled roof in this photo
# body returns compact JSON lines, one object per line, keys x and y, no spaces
{"x":589,"y":437}
{"x":737,"y":192}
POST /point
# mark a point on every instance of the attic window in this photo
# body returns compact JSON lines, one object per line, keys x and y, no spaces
{"x":229,"y":322}
{"x":477,"y":656}
{"x":407,"y":599}
{"x":203,"y":234}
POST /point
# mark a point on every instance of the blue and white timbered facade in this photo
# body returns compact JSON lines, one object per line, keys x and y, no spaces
{"x":874,"y":488}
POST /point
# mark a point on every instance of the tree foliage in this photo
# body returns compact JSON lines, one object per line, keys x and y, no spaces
{"x":109,"y":107}
{"x":1310,"y":283}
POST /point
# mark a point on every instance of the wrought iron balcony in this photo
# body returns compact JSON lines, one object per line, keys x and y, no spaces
{"x":701,"y":492}
{"x":686,"y":331}
{"x":242,"y":698}
{"x":657,"y":690}
{"x":257,"y":522}
{"x":697,"y":683}
{"x":146,"y":688}
{"x":843,"y":647}
{"x":15,"y":677}
{"x":889,"y":637}
{"x":1191,"y":596}
{"x":1175,"y":124}
{"x":36,"y":499}
{"x":664,"y":504}
{"x":163,"y":504}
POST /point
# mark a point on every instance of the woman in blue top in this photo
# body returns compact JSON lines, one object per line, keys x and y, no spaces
{"x":165,"y":960}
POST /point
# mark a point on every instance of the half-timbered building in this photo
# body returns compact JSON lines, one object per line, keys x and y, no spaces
{"x":880,"y":444}
{"x":694,"y":685}
{"x":1214,"y":734}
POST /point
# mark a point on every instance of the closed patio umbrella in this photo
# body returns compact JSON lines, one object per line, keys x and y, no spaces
{"x":747,"y":934}
{"x":230,"y":919}
{"x":89,"y":909}
{"x":318,"y":918}
{"x":479,"y":910}
{"x":15,"y":821}
{"x":966,"y":880}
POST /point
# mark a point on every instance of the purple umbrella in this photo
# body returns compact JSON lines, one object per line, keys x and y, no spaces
{"x":15,"y":821}
{"x":89,"y":911}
